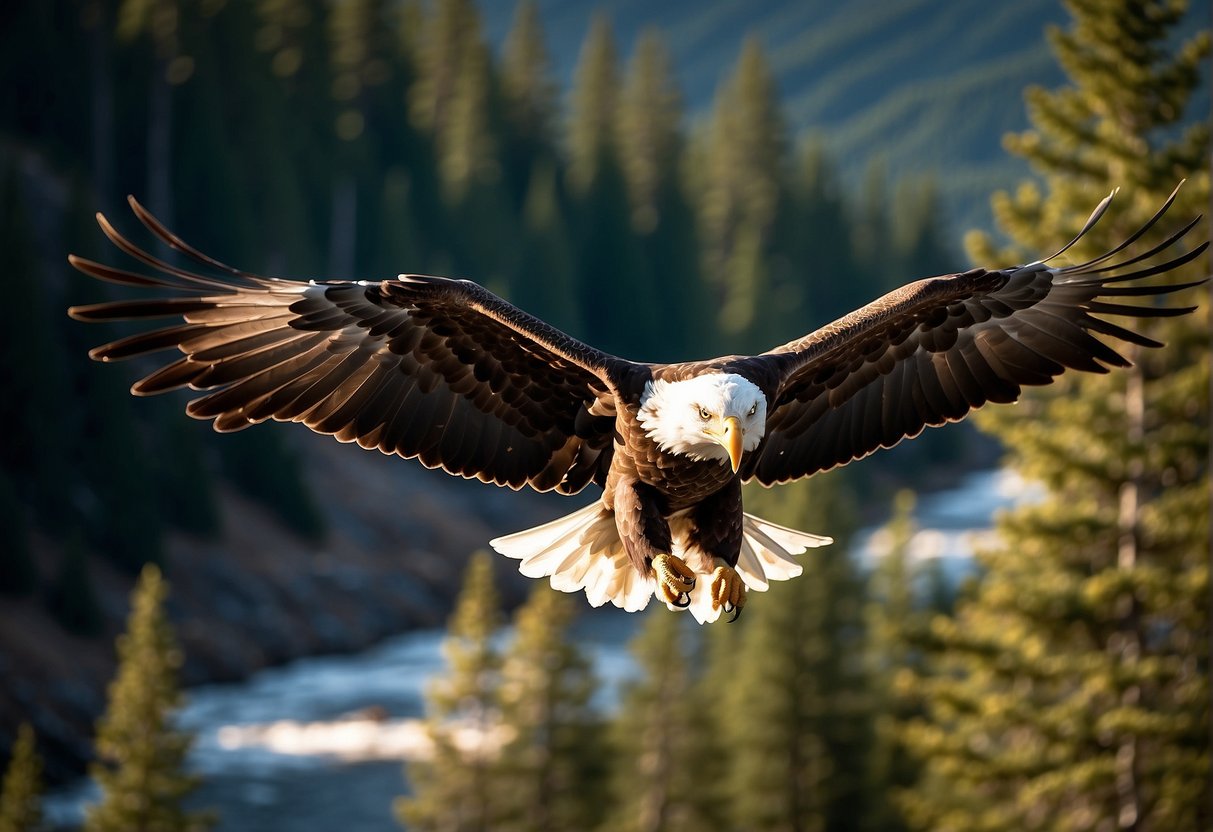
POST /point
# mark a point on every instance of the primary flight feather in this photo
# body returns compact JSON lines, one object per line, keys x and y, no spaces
{"x":447,"y":372}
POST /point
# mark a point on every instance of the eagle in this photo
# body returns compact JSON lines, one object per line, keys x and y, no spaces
{"x":448,"y":373}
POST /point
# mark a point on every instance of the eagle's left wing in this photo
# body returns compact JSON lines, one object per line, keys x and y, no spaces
{"x":439,"y":370}
{"x":932,"y":351}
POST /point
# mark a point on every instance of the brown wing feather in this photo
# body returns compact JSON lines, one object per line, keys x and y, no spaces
{"x":932,"y":351}
{"x":426,"y":367}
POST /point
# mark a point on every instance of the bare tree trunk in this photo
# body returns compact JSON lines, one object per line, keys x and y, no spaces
{"x":1128,"y":797}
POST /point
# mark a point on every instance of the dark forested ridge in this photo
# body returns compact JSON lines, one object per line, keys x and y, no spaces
{"x":724,"y":182}
{"x":925,"y":86}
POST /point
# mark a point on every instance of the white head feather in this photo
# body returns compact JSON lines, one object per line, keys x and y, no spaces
{"x":685,"y":417}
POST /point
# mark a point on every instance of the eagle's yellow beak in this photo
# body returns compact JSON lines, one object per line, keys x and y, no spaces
{"x":731,"y":441}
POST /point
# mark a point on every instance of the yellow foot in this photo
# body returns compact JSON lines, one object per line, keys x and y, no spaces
{"x":728,"y":591}
{"x":675,"y":580}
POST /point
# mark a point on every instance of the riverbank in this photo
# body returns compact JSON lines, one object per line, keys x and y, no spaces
{"x":320,"y":743}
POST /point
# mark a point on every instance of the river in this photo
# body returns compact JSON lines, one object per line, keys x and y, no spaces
{"x":319,"y":744}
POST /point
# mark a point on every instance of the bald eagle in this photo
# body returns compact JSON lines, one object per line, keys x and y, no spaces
{"x":451,"y":374}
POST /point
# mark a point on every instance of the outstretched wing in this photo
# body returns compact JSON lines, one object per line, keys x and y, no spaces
{"x":426,"y":367}
{"x":931,"y":351}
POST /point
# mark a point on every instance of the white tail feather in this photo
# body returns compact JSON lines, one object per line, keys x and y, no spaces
{"x":582,"y":550}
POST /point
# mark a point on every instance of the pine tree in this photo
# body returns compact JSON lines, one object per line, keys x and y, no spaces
{"x":593,"y":128}
{"x":549,"y":773}
{"x":664,"y":749}
{"x":21,"y":792}
{"x":651,"y":148}
{"x":469,"y":156}
{"x":615,"y":293}
{"x":452,"y":791}
{"x":794,"y":712}
{"x":141,"y":756}
{"x":1071,"y":691}
{"x":830,"y":272}
{"x":919,"y":229}
{"x":743,"y":192}
{"x":894,"y":620}
{"x":543,"y":283}
{"x":450,"y":30}
{"x":872,"y":240}
{"x":33,"y":399}
{"x":650,"y":115}
{"x":530,"y":100}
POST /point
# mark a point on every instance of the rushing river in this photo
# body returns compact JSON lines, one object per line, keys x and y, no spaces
{"x":319,"y":744}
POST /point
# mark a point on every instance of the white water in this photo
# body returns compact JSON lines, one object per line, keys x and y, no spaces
{"x":318,"y":744}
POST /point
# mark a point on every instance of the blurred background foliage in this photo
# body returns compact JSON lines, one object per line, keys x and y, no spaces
{"x":605,"y":173}
{"x":362,"y":139}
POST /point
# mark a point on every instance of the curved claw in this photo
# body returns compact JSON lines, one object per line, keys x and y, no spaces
{"x":728,"y":591}
{"x":675,"y":580}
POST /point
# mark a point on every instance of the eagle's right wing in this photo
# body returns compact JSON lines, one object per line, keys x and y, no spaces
{"x":934,"y":350}
{"x":426,"y":367}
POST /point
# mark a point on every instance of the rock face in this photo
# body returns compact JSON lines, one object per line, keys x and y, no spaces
{"x":260,"y":595}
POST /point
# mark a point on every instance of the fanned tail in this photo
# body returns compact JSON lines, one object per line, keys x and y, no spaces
{"x":768,"y":553}
{"x":582,"y":551}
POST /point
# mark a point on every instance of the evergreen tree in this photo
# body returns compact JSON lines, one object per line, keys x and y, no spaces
{"x":448,"y":33}
{"x":21,"y":792}
{"x":794,"y":715}
{"x":663,"y":735}
{"x":651,"y":147}
{"x":18,"y":572}
{"x":33,"y":397}
{"x":550,"y":771}
{"x":1071,"y":690}
{"x":470,"y":161}
{"x":742,"y":195}
{"x":289,"y":105}
{"x":919,"y":230}
{"x":872,"y":240}
{"x":141,"y":757}
{"x":593,"y":107}
{"x":371,"y":69}
{"x":615,"y":293}
{"x":72,"y":600}
{"x":543,"y":284}
{"x":893,"y":625}
{"x":830,"y":271}
{"x":453,"y":791}
{"x":530,"y":100}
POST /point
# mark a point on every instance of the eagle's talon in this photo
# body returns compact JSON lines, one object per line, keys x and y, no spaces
{"x":675,"y":580}
{"x":728,"y":591}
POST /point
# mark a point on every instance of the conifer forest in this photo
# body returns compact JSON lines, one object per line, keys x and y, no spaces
{"x":667,"y":182}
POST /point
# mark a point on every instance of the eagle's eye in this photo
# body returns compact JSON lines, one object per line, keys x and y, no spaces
{"x":753,"y":409}
{"x":703,"y":413}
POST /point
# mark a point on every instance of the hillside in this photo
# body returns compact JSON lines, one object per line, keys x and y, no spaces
{"x":923,"y":86}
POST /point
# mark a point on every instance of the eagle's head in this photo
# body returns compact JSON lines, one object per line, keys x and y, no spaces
{"x":712,"y":416}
